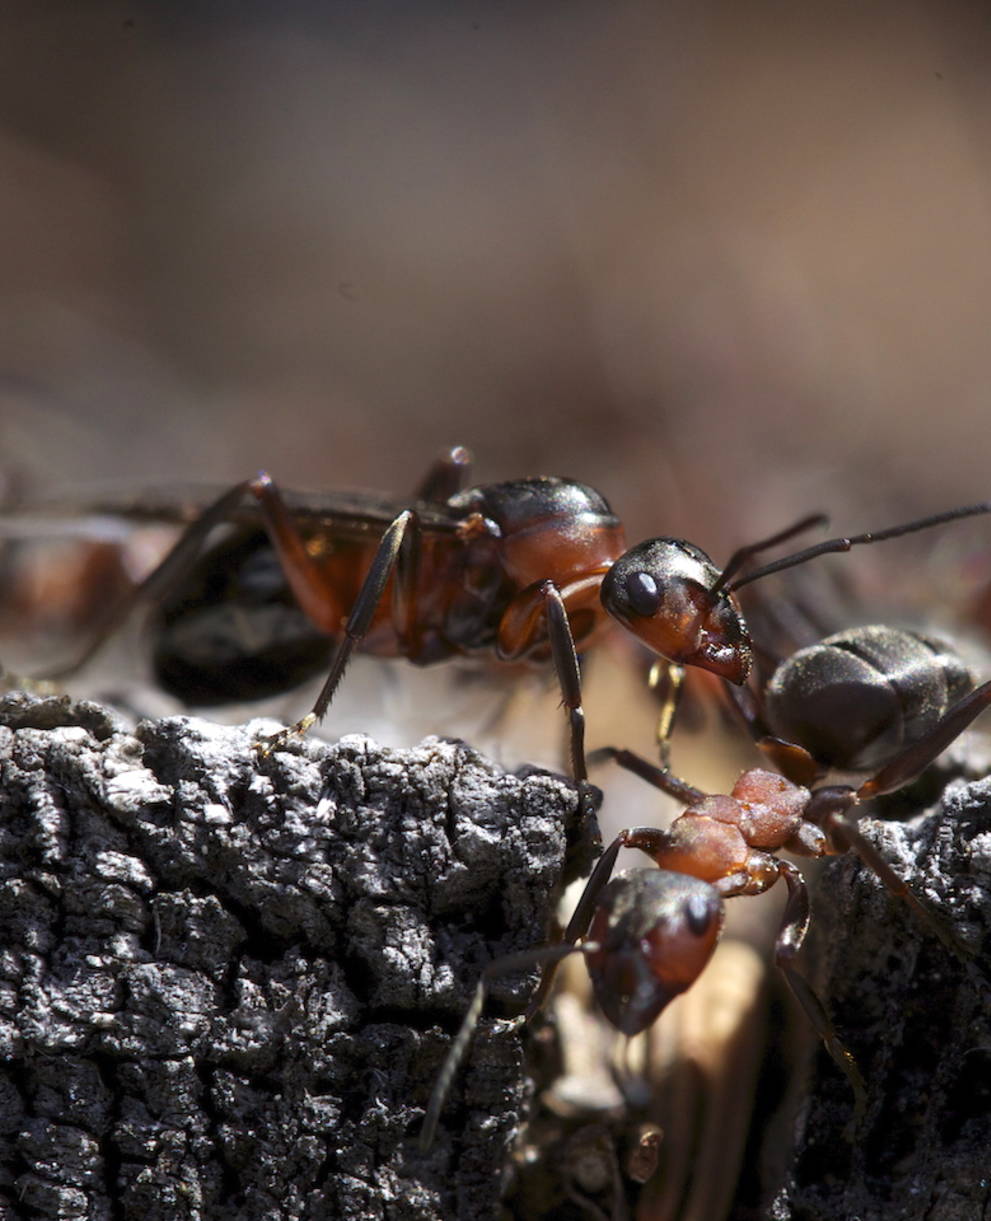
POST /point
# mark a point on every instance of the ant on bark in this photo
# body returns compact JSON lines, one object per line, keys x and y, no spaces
{"x":647,"y":934}
{"x":527,"y":570}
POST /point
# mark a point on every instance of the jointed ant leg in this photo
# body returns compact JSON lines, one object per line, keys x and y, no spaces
{"x":171,"y":569}
{"x":916,"y":757}
{"x":568,"y":672}
{"x":359,"y":621}
{"x":660,"y":777}
{"x":666,"y":679}
{"x":794,"y":926}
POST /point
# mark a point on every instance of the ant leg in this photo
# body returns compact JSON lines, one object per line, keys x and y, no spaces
{"x":666,"y":679}
{"x":517,"y":630}
{"x":568,"y":671}
{"x":168,"y":572}
{"x":580,"y":919}
{"x":359,"y":621}
{"x":794,"y":926}
{"x":742,"y":555}
{"x":829,"y":807}
{"x":846,"y":837}
{"x":834,"y":545}
{"x":446,"y":477}
{"x":917,"y":757}
{"x":519,"y":635}
{"x":660,"y":777}
{"x":523,"y":961}
{"x":791,"y":760}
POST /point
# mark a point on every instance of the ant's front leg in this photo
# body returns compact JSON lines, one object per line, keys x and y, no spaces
{"x":666,"y":680}
{"x":517,"y":634}
{"x":402,"y":537}
{"x":660,"y":777}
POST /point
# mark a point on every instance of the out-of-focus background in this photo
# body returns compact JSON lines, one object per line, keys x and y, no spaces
{"x":720,"y":261}
{"x":726,"y":263}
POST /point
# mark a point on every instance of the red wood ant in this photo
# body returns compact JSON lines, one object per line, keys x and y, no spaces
{"x":647,"y":934}
{"x":526,"y":570}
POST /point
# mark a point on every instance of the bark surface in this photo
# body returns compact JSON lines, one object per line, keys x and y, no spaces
{"x":227,"y":982}
{"x":918,"y":1019}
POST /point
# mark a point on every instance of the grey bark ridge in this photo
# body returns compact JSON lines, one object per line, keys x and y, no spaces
{"x":918,"y":1021}
{"x":227,"y":982}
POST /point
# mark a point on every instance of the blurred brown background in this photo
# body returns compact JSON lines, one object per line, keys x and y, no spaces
{"x":724,"y":262}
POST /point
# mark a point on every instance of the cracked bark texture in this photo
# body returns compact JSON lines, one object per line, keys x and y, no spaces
{"x":227,"y":982}
{"x":918,"y":1021}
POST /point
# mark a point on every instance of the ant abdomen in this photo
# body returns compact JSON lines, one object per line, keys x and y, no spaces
{"x":854,"y":699}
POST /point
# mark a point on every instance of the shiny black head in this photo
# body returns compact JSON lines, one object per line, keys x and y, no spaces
{"x":661,"y":591}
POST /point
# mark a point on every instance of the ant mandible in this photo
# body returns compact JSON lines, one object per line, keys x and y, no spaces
{"x":647,"y":934}
{"x":524,"y":570}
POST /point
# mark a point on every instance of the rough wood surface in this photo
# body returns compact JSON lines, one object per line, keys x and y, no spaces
{"x":227,"y":982}
{"x":919,"y":1022}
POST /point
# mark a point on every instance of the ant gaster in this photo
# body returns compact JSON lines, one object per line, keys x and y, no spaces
{"x":523,"y":570}
{"x":647,"y":934}
{"x":853,"y":700}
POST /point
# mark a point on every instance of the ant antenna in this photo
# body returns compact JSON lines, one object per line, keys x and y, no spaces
{"x":742,"y":554}
{"x":844,"y":544}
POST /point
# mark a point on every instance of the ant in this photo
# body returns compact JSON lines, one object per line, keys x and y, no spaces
{"x":527,"y":570}
{"x":647,"y":934}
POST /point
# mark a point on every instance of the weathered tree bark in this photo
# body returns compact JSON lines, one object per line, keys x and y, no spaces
{"x":227,"y":982}
{"x":918,"y":1020}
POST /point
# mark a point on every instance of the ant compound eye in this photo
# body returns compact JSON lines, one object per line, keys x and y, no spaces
{"x":699,"y":913}
{"x":642,"y":591}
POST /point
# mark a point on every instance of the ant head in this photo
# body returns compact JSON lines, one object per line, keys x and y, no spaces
{"x":662,"y":592}
{"x":655,"y":933}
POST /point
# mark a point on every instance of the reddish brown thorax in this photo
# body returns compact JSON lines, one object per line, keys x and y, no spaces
{"x":716,"y":837}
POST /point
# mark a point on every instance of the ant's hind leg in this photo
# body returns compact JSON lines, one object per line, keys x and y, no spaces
{"x":167,"y":574}
{"x":830,"y":808}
